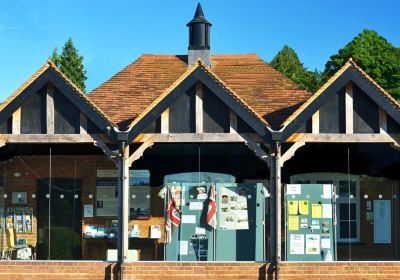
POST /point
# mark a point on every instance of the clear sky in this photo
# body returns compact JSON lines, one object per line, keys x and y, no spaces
{"x":112,"y":34}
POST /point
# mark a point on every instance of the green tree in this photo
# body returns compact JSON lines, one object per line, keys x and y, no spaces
{"x":375,"y":55}
{"x":71,"y":64}
{"x":287,"y":62}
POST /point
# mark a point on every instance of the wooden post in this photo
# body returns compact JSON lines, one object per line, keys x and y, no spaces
{"x":382,"y":121}
{"x":50,"y":109}
{"x":16,"y":121}
{"x":272,"y":208}
{"x":232,"y":121}
{"x":349,"y":107}
{"x":278,"y":202}
{"x":315,"y":123}
{"x":199,"y":108}
{"x":165,"y":121}
{"x":123,"y":204}
{"x":82,"y":123}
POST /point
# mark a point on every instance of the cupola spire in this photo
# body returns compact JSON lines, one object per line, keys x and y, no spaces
{"x":199,"y":38}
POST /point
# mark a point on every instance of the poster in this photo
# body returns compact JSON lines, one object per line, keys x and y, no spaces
{"x":88,"y":211}
{"x":325,"y":241}
{"x":297,"y":244}
{"x":233,"y":206}
{"x":293,"y":189}
{"x":176,"y":192}
{"x":28,"y":219}
{"x":293,"y":222}
{"x":198,"y":192}
{"x":327,"y":211}
{"x":316,"y":211}
{"x":327,"y":191}
{"x":293,"y":207}
{"x":107,"y":193}
{"x":303,"y":207}
{"x":19,"y":220}
{"x":313,"y":244}
{"x":188,"y":219}
{"x":139,"y":202}
{"x":183,"y":247}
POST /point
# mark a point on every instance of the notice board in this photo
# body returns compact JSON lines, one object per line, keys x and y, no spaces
{"x":309,"y":212}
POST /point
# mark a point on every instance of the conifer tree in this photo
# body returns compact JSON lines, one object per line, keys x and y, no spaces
{"x":288,"y":63}
{"x":71,"y":64}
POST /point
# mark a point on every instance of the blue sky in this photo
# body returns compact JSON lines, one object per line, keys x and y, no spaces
{"x":112,"y":34}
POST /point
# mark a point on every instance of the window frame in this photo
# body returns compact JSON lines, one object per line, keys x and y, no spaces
{"x":312,"y":178}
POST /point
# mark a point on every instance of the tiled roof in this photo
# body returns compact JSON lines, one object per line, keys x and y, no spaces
{"x":266,"y":92}
{"x":346,"y":66}
{"x":38,"y":73}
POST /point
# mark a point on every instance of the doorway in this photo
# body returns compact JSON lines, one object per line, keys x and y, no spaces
{"x":61,"y":238}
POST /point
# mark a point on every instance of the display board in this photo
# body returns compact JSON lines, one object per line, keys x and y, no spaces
{"x":107,"y":193}
{"x":309,"y":212}
{"x":240,"y":208}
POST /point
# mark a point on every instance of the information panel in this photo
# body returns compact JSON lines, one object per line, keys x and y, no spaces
{"x":309,"y":222}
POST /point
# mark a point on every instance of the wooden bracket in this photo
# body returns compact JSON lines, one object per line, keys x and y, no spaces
{"x":290,"y":152}
{"x":254,"y":146}
{"x":139,"y":152}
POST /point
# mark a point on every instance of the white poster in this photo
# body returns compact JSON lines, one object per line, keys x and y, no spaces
{"x":313,"y":244}
{"x":325,"y":242}
{"x":233,"y":206}
{"x":188,"y":219}
{"x":327,"y":211}
{"x":293,"y":189}
{"x":183,"y":247}
{"x":327,"y":191}
{"x":297,"y":244}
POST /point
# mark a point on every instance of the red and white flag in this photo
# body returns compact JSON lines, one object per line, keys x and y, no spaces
{"x":212,"y":209}
{"x":173,"y":216}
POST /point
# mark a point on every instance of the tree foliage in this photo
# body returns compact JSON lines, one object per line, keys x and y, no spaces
{"x":71,"y":64}
{"x":375,"y":55}
{"x":287,"y":62}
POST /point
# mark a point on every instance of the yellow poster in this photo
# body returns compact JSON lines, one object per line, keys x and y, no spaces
{"x":303,"y":207}
{"x":293,"y":206}
{"x":316,"y":211}
{"x":293,"y":223}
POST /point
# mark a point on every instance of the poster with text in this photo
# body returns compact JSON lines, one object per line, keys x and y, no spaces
{"x":233,"y":209}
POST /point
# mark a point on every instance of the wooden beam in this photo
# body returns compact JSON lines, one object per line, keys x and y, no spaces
{"x":199,"y":108}
{"x":315,"y":122}
{"x":382,"y":121}
{"x":52,"y":138}
{"x":165,"y":121}
{"x":343,"y":138}
{"x":198,"y":138}
{"x":82,"y":123}
{"x":290,"y":152}
{"x":16,"y":121}
{"x":232,"y":121}
{"x":349,"y":107}
{"x":50,"y":122}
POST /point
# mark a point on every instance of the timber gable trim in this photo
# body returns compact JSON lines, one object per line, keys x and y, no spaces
{"x":350,"y":72}
{"x":49,"y":73}
{"x":195,"y":73}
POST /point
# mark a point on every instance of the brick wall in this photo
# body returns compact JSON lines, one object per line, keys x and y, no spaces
{"x":46,"y":270}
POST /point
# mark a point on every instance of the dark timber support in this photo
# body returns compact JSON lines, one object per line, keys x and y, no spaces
{"x":276,"y":208}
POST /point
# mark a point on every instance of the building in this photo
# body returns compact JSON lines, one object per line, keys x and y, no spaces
{"x":84,"y":176}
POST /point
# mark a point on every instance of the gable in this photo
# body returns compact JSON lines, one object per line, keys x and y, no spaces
{"x":216,"y":102}
{"x":49,"y":103}
{"x":350,"y":102}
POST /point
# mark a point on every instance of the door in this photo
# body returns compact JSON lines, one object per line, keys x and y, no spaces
{"x":61,"y":238}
